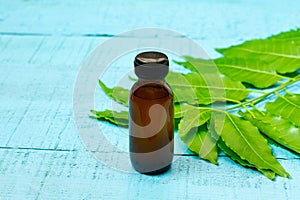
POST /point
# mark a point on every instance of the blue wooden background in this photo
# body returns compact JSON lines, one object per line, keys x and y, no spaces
{"x":42,"y":46}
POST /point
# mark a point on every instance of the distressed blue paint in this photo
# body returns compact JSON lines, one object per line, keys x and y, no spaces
{"x":42,"y":45}
{"x":76,"y":175}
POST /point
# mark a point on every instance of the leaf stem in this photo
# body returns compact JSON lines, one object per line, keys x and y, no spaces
{"x":242,"y":105}
{"x":255,"y":101}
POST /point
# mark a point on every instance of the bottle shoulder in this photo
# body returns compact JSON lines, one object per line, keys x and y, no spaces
{"x":149,"y":89}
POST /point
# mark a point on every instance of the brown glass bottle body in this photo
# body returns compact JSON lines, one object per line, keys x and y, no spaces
{"x":151,"y":152}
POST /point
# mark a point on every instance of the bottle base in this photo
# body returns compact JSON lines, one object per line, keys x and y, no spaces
{"x":157,"y":172}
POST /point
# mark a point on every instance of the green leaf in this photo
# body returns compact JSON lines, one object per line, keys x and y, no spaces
{"x":193,"y":117}
{"x":121,"y":118}
{"x":192,"y":88}
{"x":268,"y":173}
{"x":117,"y":118}
{"x":287,"y":106}
{"x":194,"y":133}
{"x":199,"y":142}
{"x":118,"y":94}
{"x":177,"y":111}
{"x":281,"y":51}
{"x":280,"y":130}
{"x":246,"y":141}
{"x":259,"y":74}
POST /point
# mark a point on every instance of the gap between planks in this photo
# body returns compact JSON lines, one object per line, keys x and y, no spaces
{"x":80,"y":35}
{"x":73,"y":150}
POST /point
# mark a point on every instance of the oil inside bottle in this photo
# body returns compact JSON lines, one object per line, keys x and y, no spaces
{"x":151,"y":152}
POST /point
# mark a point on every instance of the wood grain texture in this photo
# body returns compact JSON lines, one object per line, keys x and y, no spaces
{"x":42,"y":46}
{"x":215,"y":23}
{"x":44,"y":174}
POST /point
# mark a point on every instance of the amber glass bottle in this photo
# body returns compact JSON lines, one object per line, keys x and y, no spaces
{"x":151,"y":122}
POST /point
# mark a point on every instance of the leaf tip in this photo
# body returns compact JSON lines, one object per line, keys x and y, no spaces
{"x":288,"y":175}
{"x":93,"y":117}
{"x":214,"y":162}
{"x":220,"y":50}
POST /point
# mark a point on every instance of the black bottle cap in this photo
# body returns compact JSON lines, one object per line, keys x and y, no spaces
{"x":151,"y":65}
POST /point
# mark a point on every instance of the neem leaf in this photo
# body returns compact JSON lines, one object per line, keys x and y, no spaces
{"x":268,"y":173}
{"x":246,"y":141}
{"x":287,"y":106}
{"x":281,"y":51}
{"x":194,"y":133}
{"x":192,"y":117}
{"x":117,"y":118}
{"x":177,"y":111}
{"x":118,"y":94}
{"x":259,"y":74}
{"x":121,"y":118}
{"x":199,"y":142}
{"x":193,"y":88}
{"x":280,"y":130}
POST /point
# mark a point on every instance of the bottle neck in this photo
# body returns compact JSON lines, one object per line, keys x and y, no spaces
{"x":151,"y":80}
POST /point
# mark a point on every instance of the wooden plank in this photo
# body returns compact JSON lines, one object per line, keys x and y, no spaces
{"x":111,"y":17}
{"x":46,"y":51}
{"x":215,"y":23}
{"x":36,"y":174}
